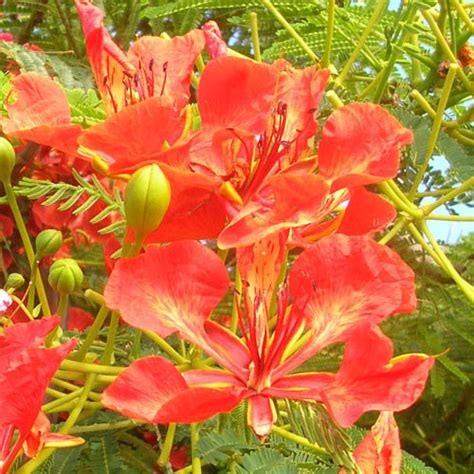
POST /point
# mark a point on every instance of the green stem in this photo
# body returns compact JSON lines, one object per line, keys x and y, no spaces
{"x":374,"y":19}
{"x":167,"y":446}
{"x":449,"y":196}
{"x":118,"y":425}
{"x":397,"y":227}
{"x":435,"y":130}
{"x":165,"y":347}
{"x":32,"y":289}
{"x":69,"y":31}
{"x":93,"y":332}
{"x":336,"y":102}
{"x":466,"y":288}
{"x":326,"y":59}
{"x":255,"y":40}
{"x":30,"y":254}
{"x":51,"y":406}
{"x":299,"y":440}
{"x":185,"y":470}
{"x":62,"y":304}
{"x":436,"y":217}
{"x":136,"y":348}
{"x":461,"y":136}
{"x":416,"y":76}
{"x":112,"y":333}
{"x":441,"y":40}
{"x":423,"y":103}
{"x":291,"y":31}
{"x":463,"y":15}
{"x":235,"y":310}
{"x":72,"y":388}
{"x":22,"y":306}
{"x":437,"y":192}
{"x":200,"y":64}
{"x":196,"y":460}
{"x":400,"y":202}
{"x":90,"y":368}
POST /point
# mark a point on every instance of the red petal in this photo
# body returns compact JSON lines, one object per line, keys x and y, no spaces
{"x":229,"y":346}
{"x":367,"y":380}
{"x":235,"y":92}
{"x":380,"y":450}
{"x":23,"y":335}
{"x":124,"y":139}
{"x":168,"y":289}
{"x":360,"y":145}
{"x":301,"y":91}
{"x":259,"y":266}
{"x":211,"y":377}
{"x":41,"y":113}
{"x":107,"y":60}
{"x":26,"y":368}
{"x":78,"y":319}
{"x":304,"y":381}
{"x":366,"y":213}
{"x":172,"y":62}
{"x":342,"y":281}
{"x":261,"y":415}
{"x":288,"y":201}
{"x":153,"y":391}
{"x":214,"y":42}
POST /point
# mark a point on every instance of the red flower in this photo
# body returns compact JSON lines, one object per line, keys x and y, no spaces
{"x":41,"y":114}
{"x":26,"y":367}
{"x":249,"y":171}
{"x":153,"y":66}
{"x":341,"y":287}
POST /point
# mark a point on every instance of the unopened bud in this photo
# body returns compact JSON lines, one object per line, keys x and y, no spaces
{"x":14,"y":281}
{"x":147,"y":198}
{"x":7,"y":160}
{"x":48,"y":242}
{"x":65,"y":276}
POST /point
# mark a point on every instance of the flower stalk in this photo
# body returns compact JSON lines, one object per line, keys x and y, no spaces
{"x":291,"y":31}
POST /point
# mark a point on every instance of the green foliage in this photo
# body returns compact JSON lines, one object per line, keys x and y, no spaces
{"x":401,"y":55}
{"x":70,"y":196}
{"x":265,"y":460}
{"x":86,"y":107}
{"x":69,"y":72}
{"x":442,"y":326}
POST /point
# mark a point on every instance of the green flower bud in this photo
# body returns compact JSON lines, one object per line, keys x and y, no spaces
{"x":65,"y":276}
{"x":7,"y":160}
{"x":48,"y":242}
{"x":147,"y":198}
{"x":14,"y":281}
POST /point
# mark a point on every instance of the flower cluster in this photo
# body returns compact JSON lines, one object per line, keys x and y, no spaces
{"x":248,"y":166}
